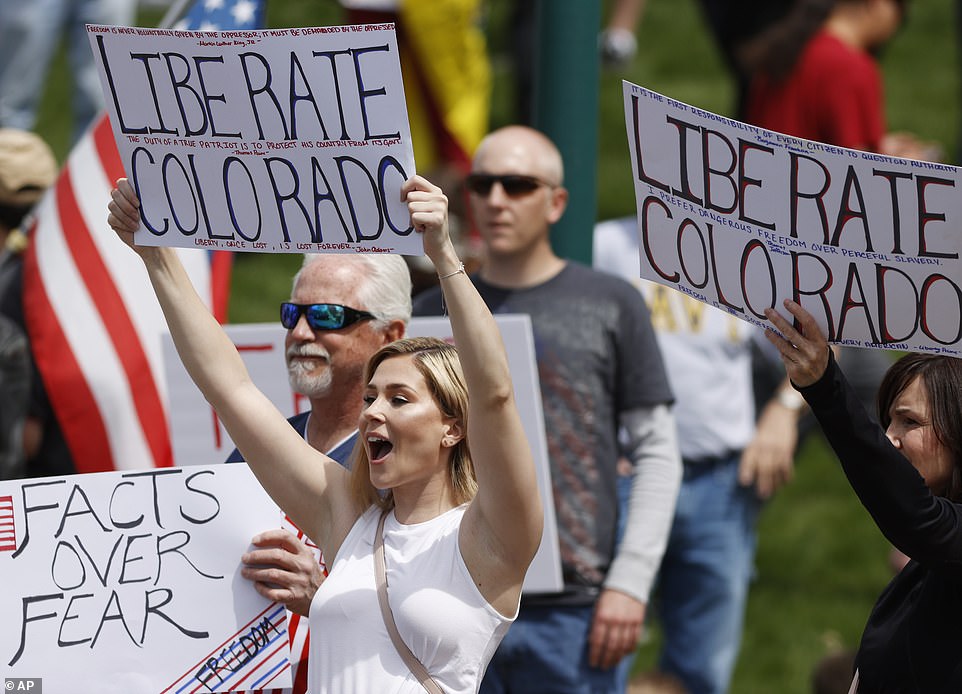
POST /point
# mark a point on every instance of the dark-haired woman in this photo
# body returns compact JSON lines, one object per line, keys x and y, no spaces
{"x":908,"y":475}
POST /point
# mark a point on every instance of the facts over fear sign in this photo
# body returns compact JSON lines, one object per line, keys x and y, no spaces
{"x":282,"y":140}
{"x":741,"y":218}
{"x":129,"y":583}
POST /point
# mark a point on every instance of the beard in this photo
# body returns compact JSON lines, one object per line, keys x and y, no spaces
{"x":305,"y":378}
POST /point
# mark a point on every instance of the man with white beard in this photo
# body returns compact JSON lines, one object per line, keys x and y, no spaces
{"x":343,"y":308}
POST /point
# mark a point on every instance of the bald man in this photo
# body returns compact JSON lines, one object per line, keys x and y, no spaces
{"x":600,"y":371}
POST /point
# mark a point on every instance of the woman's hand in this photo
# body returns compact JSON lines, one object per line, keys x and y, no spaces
{"x":428,"y":206}
{"x":124,"y":207}
{"x":805,"y":353}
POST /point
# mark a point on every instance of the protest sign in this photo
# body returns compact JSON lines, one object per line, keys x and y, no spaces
{"x":199,"y":438}
{"x":742,"y":218}
{"x":129,"y":583}
{"x":281,"y":140}
{"x":544,"y":573}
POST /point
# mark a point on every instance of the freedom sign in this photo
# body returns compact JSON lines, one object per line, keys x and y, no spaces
{"x":742,"y":218}
{"x":280,"y":140}
{"x":129,"y":583}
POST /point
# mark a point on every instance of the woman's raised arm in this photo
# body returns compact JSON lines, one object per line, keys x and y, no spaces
{"x":502,"y":528}
{"x":306,"y":484}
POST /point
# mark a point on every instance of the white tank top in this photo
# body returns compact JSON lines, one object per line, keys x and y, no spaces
{"x":439,"y":612}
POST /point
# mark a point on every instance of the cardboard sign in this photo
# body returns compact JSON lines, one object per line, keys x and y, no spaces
{"x":274,"y":141}
{"x":741,"y":218}
{"x":199,"y":437}
{"x":129,"y":583}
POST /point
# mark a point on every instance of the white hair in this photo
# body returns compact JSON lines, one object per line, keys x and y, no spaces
{"x":386,"y":287}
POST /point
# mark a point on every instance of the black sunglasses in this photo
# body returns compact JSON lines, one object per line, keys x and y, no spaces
{"x":322,"y":316}
{"x":515,"y":185}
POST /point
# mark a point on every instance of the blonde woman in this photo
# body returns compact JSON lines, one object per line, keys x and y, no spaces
{"x":463,"y":519}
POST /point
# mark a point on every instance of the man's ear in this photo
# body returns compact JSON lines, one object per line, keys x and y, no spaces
{"x":394,"y":331}
{"x":557,"y":204}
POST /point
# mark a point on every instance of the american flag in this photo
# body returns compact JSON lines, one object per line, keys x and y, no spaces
{"x":222,"y":15}
{"x":94,"y":324}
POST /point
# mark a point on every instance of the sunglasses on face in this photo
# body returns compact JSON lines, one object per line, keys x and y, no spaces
{"x":322,"y":316}
{"x":514,"y":185}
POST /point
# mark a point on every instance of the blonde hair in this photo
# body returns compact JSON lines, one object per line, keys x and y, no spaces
{"x":437,"y":361}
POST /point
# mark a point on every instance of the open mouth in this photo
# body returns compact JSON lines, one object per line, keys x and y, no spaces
{"x":378,"y":448}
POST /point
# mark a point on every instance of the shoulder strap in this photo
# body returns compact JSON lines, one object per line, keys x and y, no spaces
{"x":854,"y":688}
{"x":380,"y":579}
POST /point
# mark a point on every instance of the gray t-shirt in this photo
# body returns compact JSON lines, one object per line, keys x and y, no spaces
{"x":597,"y":358}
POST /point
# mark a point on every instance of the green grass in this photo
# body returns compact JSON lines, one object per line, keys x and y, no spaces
{"x":821,"y":562}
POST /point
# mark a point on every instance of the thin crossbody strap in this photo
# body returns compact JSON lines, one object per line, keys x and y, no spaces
{"x":380,"y":579}
{"x":854,"y":687}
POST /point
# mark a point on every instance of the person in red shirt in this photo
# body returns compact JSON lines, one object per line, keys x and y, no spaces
{"x":822,"y":82}
{"x":815,"y":75}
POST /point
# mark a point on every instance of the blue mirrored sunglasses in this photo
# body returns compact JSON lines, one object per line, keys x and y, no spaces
{"x":322,"y":316}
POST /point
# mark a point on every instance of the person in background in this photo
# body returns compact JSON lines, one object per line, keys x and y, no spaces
{"x":600,"y":370}
{"x":906,"y":469}
{"x":29,"y":38}
{"x":734,"y":24}
{"x":342,"y":310}
{"x":821,"y":81}
{"x":33,"y":443}
{"x":14,"y":394}
{"x":460,"y":521}
{"x":655,"y":683}
{"x":618,"y":42}
{"x":735,"y":456}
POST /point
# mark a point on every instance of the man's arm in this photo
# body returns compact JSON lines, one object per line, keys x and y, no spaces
{"x":620,"y":611}
{"x":768,"y":460}
{"x":653,"y":451}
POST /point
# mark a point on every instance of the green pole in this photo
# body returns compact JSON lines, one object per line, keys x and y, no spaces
{"x":566,"y":90}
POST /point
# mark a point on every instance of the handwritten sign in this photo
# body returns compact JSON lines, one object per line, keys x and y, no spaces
{"x":283,"y":140}
{"x":199,"y":437}
{"x":129,"y":583}
{"x":741,"y":218}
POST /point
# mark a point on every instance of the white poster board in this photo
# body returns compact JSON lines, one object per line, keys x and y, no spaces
{"x":274,"y":141}
{"x":544,"y":574}
{"x":129,"y":583}
{"x":199,"y":438}
{"x":742,"y":218}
